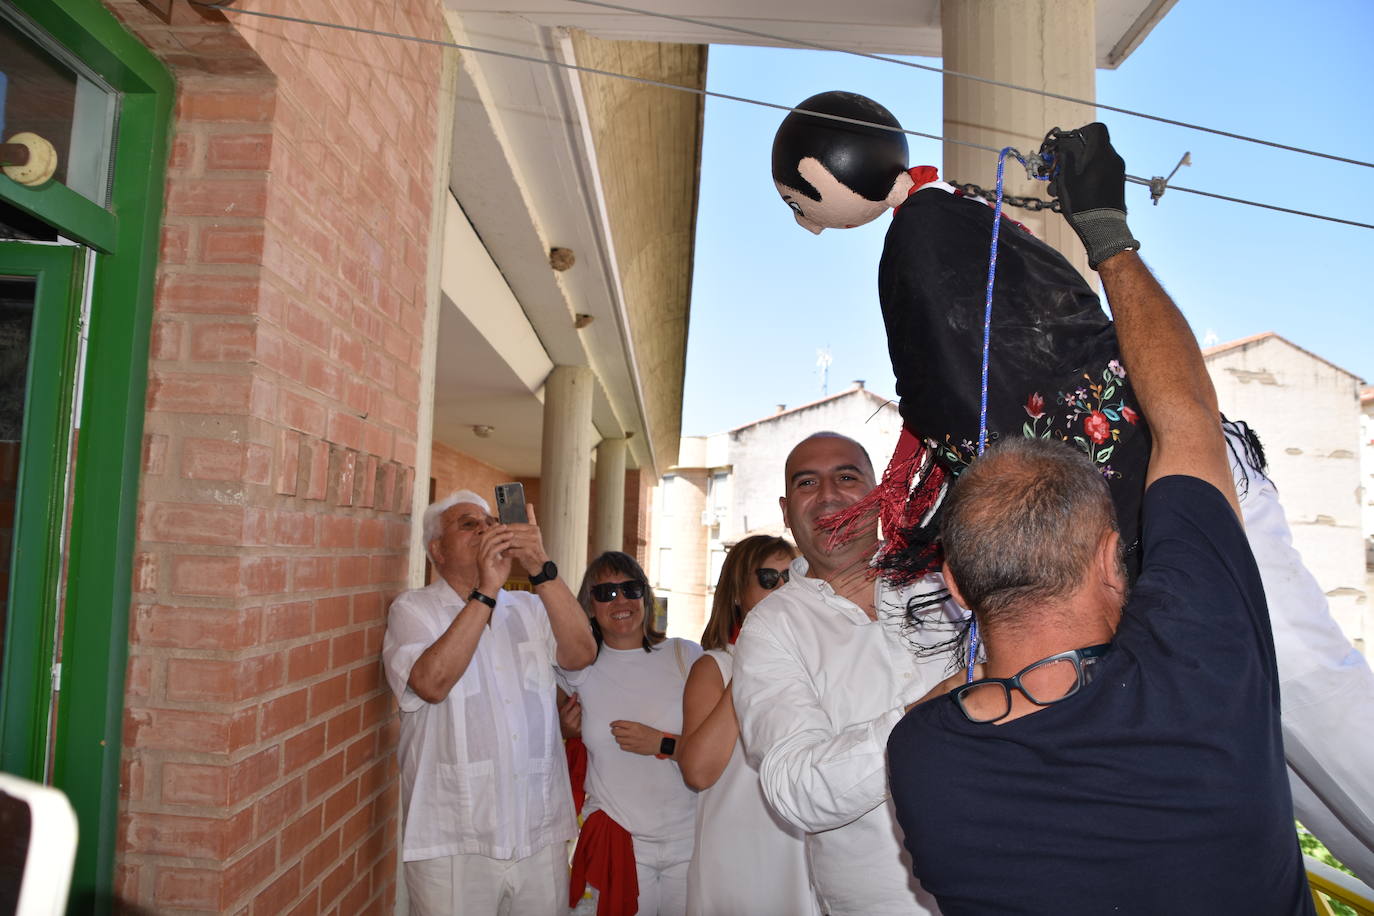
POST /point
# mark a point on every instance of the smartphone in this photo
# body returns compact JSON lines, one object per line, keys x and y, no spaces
{"x":510,"y":503}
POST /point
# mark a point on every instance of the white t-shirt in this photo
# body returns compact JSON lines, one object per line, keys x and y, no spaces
{"x":483,"y":771}
{"x":641,"y":793}
{"x":818,"y":688}
{"x":747,"y":859}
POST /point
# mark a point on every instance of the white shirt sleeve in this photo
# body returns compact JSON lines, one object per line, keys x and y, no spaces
{"x":408,"y":634}
{"x":815,"y":777}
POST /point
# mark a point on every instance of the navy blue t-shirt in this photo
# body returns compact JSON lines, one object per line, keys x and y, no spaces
{"x":1158,"y":789}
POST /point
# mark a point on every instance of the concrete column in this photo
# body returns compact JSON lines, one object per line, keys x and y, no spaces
{"x":1040,"y":44}
{"x":566,"y":468}
{"x":608,"y":528}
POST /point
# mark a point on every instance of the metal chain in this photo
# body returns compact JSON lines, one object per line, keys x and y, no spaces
{"x":1026,"y":203}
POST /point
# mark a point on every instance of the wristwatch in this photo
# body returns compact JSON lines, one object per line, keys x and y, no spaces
{"x":667,"y":746}
{"x":547,"y":573}
{"x":476,"y":595}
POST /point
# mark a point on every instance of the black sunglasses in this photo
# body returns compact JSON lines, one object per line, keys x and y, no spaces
{"x":770,"y":579}
{"x":606,"y":591}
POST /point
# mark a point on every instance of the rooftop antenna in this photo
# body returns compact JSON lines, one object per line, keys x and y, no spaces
{"x":823,"y":361}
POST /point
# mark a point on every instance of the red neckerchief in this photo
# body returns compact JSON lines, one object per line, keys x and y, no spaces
{"x":734,"y":634}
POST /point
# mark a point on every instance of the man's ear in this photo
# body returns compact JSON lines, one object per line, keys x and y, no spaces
{"x":432,"y":551}
{"x":953,"y":586}
{"x":1107,"y":563}
{"x":782,"y":504}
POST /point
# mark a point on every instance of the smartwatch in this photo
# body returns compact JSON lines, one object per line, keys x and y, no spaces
{"x":489,"y":601}
{"x":666,"y":747}
{"x":547,"y":572}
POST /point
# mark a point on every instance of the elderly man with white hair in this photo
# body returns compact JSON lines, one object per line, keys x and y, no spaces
{"x":484,"y":781}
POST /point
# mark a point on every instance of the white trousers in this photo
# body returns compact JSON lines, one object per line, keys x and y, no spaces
{"x":482,"y":886}
{"x":661,"y":867}
{"x":1327,"y":687}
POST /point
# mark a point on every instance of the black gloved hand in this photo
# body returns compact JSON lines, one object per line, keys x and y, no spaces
{"x":1090,"y":182}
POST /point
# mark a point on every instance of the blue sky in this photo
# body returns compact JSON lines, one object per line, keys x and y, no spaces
{"x":767,"y":294}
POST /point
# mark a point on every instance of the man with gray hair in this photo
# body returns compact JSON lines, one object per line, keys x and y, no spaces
{"x":1119,"y":754}
{"x":484,"y":782}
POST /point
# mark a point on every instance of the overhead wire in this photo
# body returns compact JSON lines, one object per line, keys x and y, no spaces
{"x":226,"y":7}
{"x":784,"y":40}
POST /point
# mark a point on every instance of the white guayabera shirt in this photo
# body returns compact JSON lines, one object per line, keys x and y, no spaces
{"x":482,"y":772}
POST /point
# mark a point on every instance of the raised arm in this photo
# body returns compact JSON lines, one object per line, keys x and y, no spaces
{"x":572,"y":633}
{"x":1157,"y":346}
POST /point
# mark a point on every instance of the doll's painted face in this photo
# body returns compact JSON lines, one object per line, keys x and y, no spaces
{"x":838,"y":208}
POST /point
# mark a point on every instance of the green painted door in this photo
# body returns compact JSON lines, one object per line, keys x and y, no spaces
{"x":40,"y":297}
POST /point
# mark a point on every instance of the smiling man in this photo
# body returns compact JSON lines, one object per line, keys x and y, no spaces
{"x":822,"y":675}
{"x":484,"y":782}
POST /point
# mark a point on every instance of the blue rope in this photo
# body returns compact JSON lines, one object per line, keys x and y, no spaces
{"x":987,"y":339}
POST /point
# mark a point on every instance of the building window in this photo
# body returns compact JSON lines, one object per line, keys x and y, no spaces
{"x":666,"y":495}
{"x":665,"y":567}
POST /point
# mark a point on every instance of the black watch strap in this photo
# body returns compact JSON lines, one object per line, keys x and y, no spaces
{"x":547,"y":573}
{"x":489,"y":601}
{"x":667,"y":746}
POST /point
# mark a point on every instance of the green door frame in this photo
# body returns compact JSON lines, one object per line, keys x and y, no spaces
{"x":36,"y":564}
{"x":101,"y":546}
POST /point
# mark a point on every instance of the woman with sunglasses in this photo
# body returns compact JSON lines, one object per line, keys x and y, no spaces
{"x":639,"y":817}
{"x":746,"y":860}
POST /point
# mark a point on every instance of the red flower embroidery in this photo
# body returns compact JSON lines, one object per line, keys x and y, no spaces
{"x":1130,"y":416}
{"x":1035,"y":406}
{"x":1096,"y":426}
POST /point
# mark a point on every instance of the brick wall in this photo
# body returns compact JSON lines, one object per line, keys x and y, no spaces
{"x":259,"y":773}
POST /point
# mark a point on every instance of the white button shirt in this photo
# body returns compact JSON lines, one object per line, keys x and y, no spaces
{"x":818,"y":687}
{"x":483,"y":771}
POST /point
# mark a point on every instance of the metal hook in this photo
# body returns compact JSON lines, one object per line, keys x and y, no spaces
{"x":1159,"y":185}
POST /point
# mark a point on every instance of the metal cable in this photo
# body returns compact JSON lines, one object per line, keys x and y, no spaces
{"x":224,"y":7}
{"x":970,"y":76}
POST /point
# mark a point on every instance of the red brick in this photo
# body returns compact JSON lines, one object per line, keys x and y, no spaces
{"x":309,"y":904}
{"x":347,"y":648}
{"x":306,"y":324}
{"x":324,"y":776}
{"x":278,"y":895}
{"x":166,"y":339}
{"x":322,"y":855}
{"x":283,"y":713}
{"x":302,"y":413}
{"x":328,"y":695}
{"x":340,"y":803}
{"x":312,"y":573}
{"x":239,"y":151}
{"x":183,"y":151}
{"x":372,"y":533}
{"x":200,"y":104}
{"x":227,"y":342}
{"x":248,"y":872}
{"x":338,"y":531}
{"x":286,"y":621}
{"x":349,"y":349}
{"x":366,"y":488}
{"x":188,"y":888}
{"x":358,"y":754}
{"x":307,"y":661}
{"x":303,"y":749}
{"x":332,"y":613}
{"x":279,"y":806}
{"x":201,"y":680}
{"x":298,"y":836}
{"x":218,"y":197}
{"x":264,"y":575}
{"x":353,"y":571}
{"x":254,"y":773}
{"x":355,"y":899}
{"x":194,"y":784}
{"x":336,"y":882}
{"x":176,"y":730}
{"x":187,"y":392}
{"x":343,"y":727}
{"x":295,"y":529}
{"x":368,"y":606}
{"x":195,"y":627}
{"x":206,"y":576}
{"x":258,"y":465}
{"x":207,"y":294}
{"x":140,"y":677}
{"x":322,"y":376}
{"x":317,"y":469}
{"x":179,"y":835}
{"x":345,"y":429}
{"x":211,"y":459}
{"x":192,"y":523}
{"x":231,"y":244}
{"x":288,"y":461}
{"x":364,"y":680}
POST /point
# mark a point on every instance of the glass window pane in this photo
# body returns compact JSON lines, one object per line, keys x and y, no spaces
{"x":43,"y":92}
